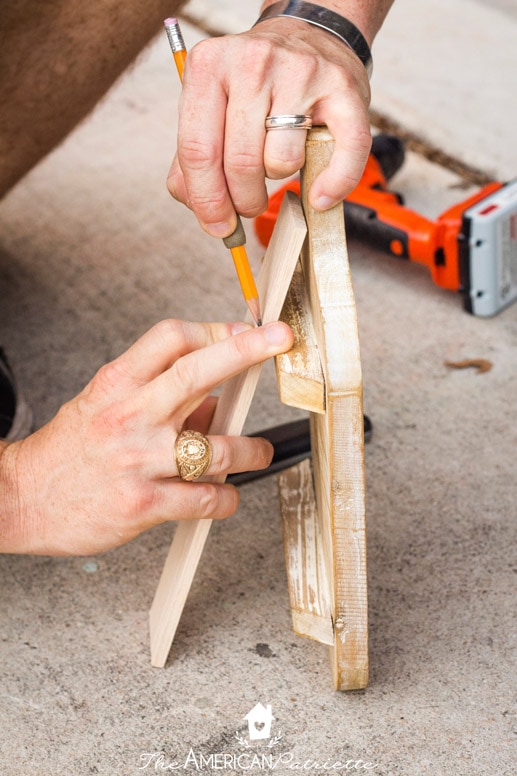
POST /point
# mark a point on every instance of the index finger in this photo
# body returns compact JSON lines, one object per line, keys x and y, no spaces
{"x":183,"y":387}
{"x":157,"y":349}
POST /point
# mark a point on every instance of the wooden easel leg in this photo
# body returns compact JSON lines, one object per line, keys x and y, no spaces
{"x":230,"y":415}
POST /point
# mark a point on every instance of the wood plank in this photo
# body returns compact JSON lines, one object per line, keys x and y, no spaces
{"x":309,"y":590}
{"x":338,"y":437}
{"x":300,"y":377}
{"x":349,"y":657}
{"x":232,"y":409}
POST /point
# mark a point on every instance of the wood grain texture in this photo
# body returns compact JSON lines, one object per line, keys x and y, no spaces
{"x":232,"y":409}
{"x":300,"y":377}
{"x":337,"y":437}
{"x":307,"y":569}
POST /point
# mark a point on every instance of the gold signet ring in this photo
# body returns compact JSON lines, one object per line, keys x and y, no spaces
{"x":193,"y":454}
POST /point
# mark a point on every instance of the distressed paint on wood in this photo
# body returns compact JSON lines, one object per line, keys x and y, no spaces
{"x":307,"y":577}
{"x":300,"y":377}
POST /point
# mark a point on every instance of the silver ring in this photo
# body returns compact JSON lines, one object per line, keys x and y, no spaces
{"x":289,"y":121}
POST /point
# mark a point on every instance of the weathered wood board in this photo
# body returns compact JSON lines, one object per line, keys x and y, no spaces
{"x":299,"y":373}
{"x":307,"y":567}
{"x":325,"y":534}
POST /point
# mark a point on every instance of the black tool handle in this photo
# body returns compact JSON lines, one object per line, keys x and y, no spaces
{"x":292,"y":443}
{"x":363,"y":223}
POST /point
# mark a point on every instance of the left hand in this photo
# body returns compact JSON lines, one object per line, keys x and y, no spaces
{"x":103,"y":469}
{"x":282,"y":66}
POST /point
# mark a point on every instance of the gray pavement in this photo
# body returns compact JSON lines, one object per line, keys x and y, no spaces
{"x":447,"y":71}
{"x":105,"y":255}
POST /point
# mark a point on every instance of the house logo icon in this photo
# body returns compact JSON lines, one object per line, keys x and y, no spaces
{"x":259,"y":721}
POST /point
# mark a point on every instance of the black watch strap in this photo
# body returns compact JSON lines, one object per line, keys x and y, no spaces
{"x":326,"y":19}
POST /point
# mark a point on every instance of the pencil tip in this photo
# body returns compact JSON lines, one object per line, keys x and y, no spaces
{"x":254,"y":308}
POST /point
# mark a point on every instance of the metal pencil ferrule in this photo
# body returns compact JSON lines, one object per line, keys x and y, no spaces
{"x":175,"y":37}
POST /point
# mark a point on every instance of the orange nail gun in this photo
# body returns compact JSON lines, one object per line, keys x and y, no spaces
{"x":471,"y":247}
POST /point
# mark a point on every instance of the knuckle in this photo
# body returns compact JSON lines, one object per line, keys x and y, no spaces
{"x":198,"y":154}
{"x":280,"y":166}
{"x":167,"y":337}
{"x":174,"y":183}
{"x":168,"y":332}
{"x":141,"y":500}
{"x":214,"y":202}
{"x":203,"y":55}
{"x":245,"y":163}
{"x":106,"y":379}
{"x":224,"y":457}
{"x":258,"y":54}
{"x":360,"y":136}
{"x":348,"y":75}
{"x":114,"y":420}
{"x":356,"y":81}
{"x":208,"y":499}
{"x":253,"y":207}
{"x":265,"y":452}
{"x":290,"y":157}
{"x":244,"y":348}
{"x":186,"y":373}
{"x":217,"y":501}
{"x":253,"y":210}
{"x":136,"y":499}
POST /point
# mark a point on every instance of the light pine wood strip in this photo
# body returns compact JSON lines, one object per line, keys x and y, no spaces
{"x":232,"y":409}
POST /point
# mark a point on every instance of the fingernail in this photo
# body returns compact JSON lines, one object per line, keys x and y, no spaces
{"x":324,"y":203}
{"x":237,"y":328}
{"x":220,"y":229}
{"x":274,"y":333}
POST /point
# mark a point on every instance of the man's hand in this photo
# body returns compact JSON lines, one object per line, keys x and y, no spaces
{"x":103,"y":470}
{"x":231,"y":84}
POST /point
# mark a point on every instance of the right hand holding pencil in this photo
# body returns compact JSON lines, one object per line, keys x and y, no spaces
{"x":231,"y":84}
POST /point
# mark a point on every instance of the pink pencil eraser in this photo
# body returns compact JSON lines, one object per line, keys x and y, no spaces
{"x":170,"y":22}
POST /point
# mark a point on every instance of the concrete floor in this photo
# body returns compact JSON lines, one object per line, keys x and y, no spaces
{"x":104,"y":258}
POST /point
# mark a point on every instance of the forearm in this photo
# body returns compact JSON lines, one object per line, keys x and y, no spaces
{"x":11,"y":532}
{"x":367,"y":15}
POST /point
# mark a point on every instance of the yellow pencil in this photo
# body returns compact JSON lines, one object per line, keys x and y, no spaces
{"x":235,"y":242}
